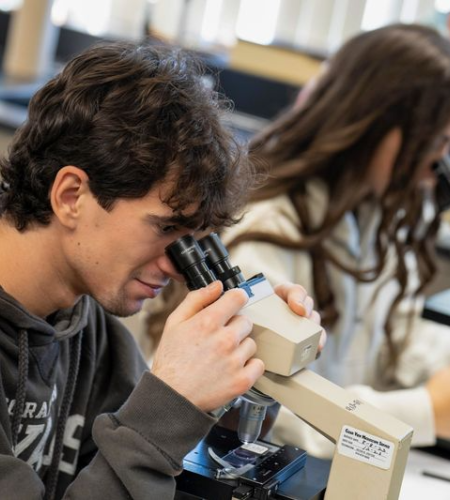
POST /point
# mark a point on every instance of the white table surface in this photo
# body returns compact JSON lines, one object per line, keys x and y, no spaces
{"x":417,"y":486}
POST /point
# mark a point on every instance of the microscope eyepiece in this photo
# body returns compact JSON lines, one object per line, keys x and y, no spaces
{"x":190,"y":261}
{"x":217,"y":258}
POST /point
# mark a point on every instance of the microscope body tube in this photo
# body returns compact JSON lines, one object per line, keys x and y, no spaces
{"x":283,"y":352}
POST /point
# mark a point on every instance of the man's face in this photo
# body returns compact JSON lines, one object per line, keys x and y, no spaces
{"x":118,"y":257}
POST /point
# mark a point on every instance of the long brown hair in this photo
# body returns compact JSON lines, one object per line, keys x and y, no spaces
{"x":394,"y":77}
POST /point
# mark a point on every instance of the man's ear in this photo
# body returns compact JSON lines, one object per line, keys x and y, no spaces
{"x":69,"y":188}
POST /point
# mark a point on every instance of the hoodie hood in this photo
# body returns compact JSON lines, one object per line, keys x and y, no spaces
{"x":62,"y":325}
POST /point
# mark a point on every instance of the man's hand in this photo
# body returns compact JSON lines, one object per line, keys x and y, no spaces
{"x":439,"y":388}
{"x":301,"y":303}
{"x":205,"y":352}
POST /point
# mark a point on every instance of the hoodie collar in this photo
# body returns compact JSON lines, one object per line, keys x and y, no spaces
{"x":61,"y":325}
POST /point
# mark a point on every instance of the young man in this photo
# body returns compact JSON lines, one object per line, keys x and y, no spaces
{"x":123,"y":153}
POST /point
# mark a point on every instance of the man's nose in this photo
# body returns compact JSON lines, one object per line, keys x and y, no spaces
{"x":166,"y":266}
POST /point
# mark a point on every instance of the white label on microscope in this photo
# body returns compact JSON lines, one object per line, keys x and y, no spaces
{"x":365,"y":447}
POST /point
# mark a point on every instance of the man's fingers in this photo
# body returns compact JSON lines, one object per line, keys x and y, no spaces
{"x":323,"y":339}
{"x":219,"y":308}
{"x":284,"y":290}
{"x":231,"y":302}
{"x":254,"y":369}
{"x":302,"y":304}
{"x":196,"y":301}
{"x":296,"y":297}
{"x":302,"y":308}
{"x":248,"y":375}
{"x":241,"y":327}
{"x":246,"y":350}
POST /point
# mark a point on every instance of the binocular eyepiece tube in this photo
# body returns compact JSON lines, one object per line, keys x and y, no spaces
{"x":204,"y":261}
{"x":190,"y":261}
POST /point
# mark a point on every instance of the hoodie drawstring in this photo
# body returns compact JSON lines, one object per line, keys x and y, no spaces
{"x":19,"y":407}
{"x":21,"y":390}
{"x":74,"y":364}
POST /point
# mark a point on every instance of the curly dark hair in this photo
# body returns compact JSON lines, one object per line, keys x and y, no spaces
{"x":129,"y":115}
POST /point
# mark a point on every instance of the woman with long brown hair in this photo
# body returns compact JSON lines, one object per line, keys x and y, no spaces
{"x":348,"y":212}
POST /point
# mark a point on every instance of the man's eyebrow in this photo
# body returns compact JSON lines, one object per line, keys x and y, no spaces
{"x":160,"y":218}
{"x":179,"y":220}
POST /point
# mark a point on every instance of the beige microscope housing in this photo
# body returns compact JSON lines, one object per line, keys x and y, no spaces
{"x":371,"y":446}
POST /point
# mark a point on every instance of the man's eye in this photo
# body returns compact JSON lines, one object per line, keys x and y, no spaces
{"x":168,"y":229}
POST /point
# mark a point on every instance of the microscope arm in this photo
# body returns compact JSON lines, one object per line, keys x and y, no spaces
{"x":371,"y":446}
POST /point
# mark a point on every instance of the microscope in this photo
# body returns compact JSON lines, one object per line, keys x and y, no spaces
{"x":371,"y":446}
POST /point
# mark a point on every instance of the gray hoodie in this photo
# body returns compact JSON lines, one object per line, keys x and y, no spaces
{"x":80,"y":415}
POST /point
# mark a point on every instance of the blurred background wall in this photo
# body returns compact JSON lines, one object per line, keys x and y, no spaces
{"x":280,"y":41}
